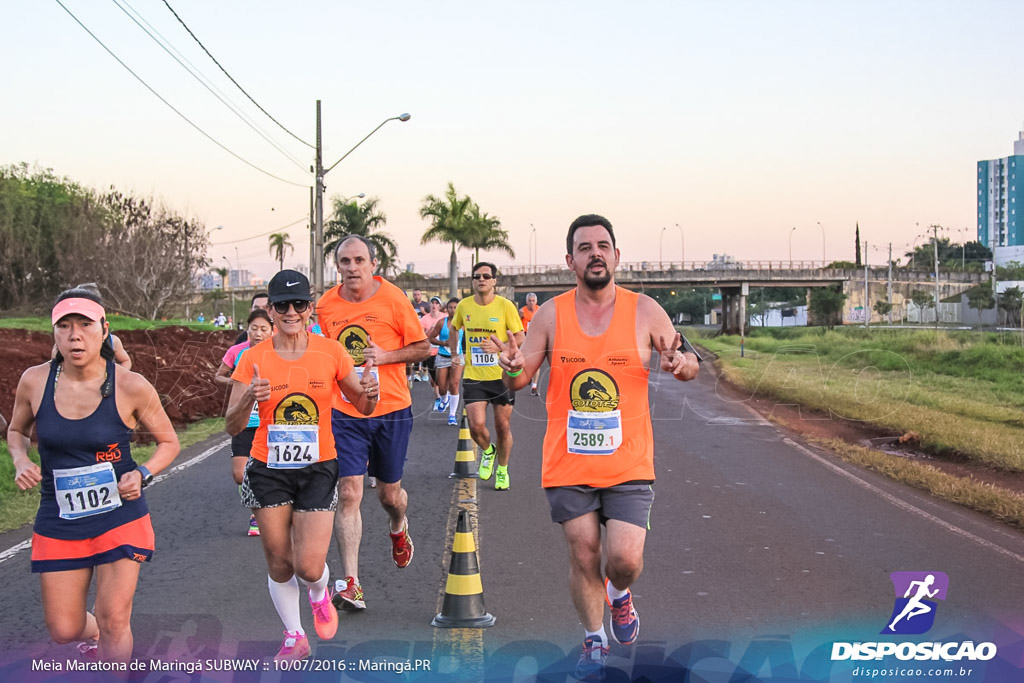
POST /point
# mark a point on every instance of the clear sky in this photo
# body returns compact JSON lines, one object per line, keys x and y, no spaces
{"x":736,"y":120}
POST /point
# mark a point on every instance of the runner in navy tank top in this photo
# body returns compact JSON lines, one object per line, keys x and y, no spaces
{"x":66,"y":445}
{"x":92,"y":515}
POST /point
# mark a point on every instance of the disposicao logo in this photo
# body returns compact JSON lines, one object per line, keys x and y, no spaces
{"x":914,"y":610}
{"x":913,"y":613}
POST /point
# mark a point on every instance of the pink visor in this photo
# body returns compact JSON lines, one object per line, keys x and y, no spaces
{"x":83,"y":307}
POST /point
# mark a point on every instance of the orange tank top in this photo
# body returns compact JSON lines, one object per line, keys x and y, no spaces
{"x":599,"y":426}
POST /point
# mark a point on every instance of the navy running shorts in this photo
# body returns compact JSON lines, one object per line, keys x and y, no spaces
{"x":372,"y":445}
{"x":308,"y":489}
{"x":492,"y":391}
{"x":629,"y":503}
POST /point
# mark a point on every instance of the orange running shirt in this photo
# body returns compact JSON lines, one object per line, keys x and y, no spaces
{"x":387,"y":319}
{"x":527,"y":315}
{"x":599,"y":425}
{"x":301,"y":391}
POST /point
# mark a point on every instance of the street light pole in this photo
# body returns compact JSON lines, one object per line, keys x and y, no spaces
{"x":682,"y":247}
{"x":661,"y":241}
{"x":531,"y":247}
{"x":230,"y":288}
{"x":824,"y":262}
{"x":791,"y":246}
{"x":320,"y":171}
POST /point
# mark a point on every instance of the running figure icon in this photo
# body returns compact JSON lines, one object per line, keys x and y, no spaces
{"x":915,"y":607}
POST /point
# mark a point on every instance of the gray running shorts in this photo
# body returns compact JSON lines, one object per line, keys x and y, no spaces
{"x":629,"y":503}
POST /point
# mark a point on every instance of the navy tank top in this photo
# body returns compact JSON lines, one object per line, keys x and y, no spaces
{"x":102,"y":437}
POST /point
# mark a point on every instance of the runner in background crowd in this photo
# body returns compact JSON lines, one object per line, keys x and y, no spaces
{"x":449,"y":375}
{"x":429,"y":321}
{"x":258,"y":327}
{"x":483,"y":315}
{"x":257,"y":303}
{"x":526,"y":315}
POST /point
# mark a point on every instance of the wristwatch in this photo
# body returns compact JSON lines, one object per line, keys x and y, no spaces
{"x":147,"y":476}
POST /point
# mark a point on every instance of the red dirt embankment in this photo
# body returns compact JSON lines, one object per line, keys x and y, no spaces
{"x":178,"y":361}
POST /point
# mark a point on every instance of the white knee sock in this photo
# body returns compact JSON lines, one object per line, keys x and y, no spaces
{"x":286,"y":601}
{"x":318,"y":588}
{"x":453,"y":404}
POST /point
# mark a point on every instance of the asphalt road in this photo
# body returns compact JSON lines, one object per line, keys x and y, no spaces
{"x":763,"y":552}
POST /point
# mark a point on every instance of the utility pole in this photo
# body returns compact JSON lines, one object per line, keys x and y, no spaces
{"x":312,"y":234}
{"x":995,"y":289}
{"x":935,"y":232}
{"x":867,"y":302}
{"x":888,"y":288}
{"x":318,"y":235}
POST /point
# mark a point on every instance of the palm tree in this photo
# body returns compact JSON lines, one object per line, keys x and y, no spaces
{"x":348,"y":217}
{"x":449,"y":222}
{"x":486,"y":233}
{"x":279,"y":244}
{"x":223,"y":272}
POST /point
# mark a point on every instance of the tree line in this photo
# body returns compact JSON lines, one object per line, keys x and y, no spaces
{"x":55,"y":233}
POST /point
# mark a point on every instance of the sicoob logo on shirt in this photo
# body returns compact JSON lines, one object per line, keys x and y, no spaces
{"x":297,"y":409}
{"x":355,"y":340}
{"x":594,"y":390}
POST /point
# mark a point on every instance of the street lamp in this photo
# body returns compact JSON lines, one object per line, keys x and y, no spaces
{"x":791,"y":246}
{"x":682,"y":247}
{"x":230,"y":288}
{"x":661,"y":240}
{"x":318,"y":235}
{"x":531,"y":247}
{"x":823,"y":259}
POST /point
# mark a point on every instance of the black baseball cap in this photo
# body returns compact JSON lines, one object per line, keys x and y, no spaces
{"x":289,"y":285}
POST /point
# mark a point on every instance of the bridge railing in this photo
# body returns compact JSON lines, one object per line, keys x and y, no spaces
{"x":658,"y":266}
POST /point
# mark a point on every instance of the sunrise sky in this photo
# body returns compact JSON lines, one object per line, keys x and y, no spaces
{"x":737,"y":121}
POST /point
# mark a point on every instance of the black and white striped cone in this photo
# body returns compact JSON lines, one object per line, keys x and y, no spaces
{"x":465,"y":452}
{"x":463,"y":605}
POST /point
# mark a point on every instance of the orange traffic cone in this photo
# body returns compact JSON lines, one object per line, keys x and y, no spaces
{"x":465,"y":452}
{"x":463,"y":605}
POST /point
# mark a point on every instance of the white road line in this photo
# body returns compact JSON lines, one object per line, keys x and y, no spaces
{"x":15,"y":549}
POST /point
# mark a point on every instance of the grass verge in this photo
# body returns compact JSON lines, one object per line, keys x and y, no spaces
{"x":19,"y":507}
{"x":1003,"y":505}
{"x":896,"y":382}
{"x":117,"y":322}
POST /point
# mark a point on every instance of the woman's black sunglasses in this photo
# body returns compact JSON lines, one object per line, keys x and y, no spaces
{"x":282,"y":306}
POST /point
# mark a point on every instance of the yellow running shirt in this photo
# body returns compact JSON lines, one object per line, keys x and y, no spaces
{"x":500,"y":318}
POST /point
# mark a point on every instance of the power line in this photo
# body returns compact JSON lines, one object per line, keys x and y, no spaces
{"x":246,"y":239}
{"x":232,"y":79}
{"x":171,"y":106}
{"x":202,"y":79}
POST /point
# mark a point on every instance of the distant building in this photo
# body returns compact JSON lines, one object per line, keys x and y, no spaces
{"x":239,"y":278}
{"x":999,"y":225}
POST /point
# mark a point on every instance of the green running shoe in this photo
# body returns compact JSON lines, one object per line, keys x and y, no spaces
{"x":487,"y":462}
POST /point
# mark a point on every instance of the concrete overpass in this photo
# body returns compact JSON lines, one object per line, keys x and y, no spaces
{"x":732,"y":278}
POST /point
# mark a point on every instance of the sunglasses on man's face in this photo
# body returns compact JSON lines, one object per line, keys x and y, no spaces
{"x":483,"y":276}
{"x":282,"y":306}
